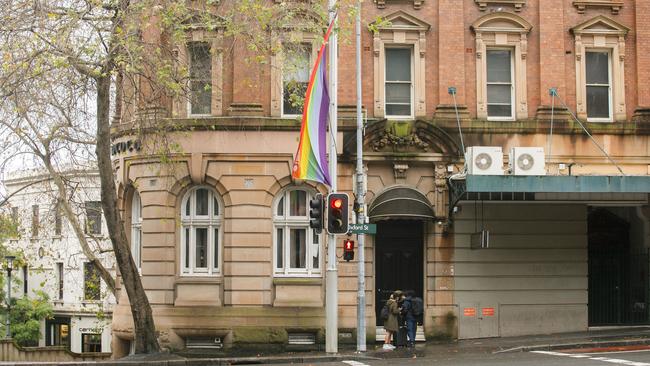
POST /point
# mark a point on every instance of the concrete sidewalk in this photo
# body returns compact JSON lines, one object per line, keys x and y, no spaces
{"x":594,"y":338}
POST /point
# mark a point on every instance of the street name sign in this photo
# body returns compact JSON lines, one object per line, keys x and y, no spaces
{"x":363,"y":229}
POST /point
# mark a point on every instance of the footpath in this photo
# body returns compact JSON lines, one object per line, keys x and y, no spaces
{"x":604,"y":339}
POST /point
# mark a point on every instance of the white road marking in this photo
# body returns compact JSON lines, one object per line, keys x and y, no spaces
{"x":354,"y":363}
{"x":602,"y":359}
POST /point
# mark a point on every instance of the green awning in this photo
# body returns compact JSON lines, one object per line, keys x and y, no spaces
{"x":557,"y":184}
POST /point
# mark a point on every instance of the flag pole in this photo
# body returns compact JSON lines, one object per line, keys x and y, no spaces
{"x":360,"y":204}
{"x":331,"y":279}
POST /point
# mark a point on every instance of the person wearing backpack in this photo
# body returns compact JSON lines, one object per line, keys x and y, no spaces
{"x":412,"y":310}
{"x":390,"y":311}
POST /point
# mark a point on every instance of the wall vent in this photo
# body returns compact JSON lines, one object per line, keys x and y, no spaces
{"x":203,"y":343}
{"x":302,"y":339}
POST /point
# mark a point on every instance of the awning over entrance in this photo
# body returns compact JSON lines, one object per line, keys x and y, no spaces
{"x":517,"y":184}
{"x":400,"y":203}
{"x":558,"y":184}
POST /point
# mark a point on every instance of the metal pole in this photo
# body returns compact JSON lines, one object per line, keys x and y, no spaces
{"x":361,"y":275}
{"x":331,"y":280}
{"x":8,"y":320}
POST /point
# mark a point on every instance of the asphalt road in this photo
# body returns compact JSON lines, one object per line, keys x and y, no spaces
{"x":630,"y":358}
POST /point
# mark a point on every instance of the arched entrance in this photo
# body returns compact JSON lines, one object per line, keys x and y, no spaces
{"x":400,"y":214}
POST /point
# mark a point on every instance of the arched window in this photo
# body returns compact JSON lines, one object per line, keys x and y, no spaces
{"x":136,"y":229}
{"x":201,"y":217}
{"x":297,"y":246}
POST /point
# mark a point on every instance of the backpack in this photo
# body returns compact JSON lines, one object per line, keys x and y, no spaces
{"x":416,"y":306}
{"x":384,"y":312}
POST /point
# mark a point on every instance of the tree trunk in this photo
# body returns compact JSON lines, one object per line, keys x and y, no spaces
{"x":144,"y":327}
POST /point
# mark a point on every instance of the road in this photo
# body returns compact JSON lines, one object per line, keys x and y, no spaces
{"x":536,"y":358}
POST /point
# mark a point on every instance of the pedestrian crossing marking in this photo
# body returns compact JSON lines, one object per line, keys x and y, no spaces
{"x":601,"y":359}
{"x":354,"y":363}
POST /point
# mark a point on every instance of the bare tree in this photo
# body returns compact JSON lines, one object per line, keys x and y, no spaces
{"x":68,"y":63}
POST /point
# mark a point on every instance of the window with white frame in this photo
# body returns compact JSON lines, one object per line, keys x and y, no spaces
{"x":295,"y":78}
{"x":399,"y":85}
{"x":136,"y":229}
{"x":500,"y":87}
{"x":201,"y":218}
{"x":297,"y":246}
{"x":598,"y":82}
{"x":200,"y":67}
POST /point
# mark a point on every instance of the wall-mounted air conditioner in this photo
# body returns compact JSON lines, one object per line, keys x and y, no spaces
{"x":484,"y":160}
{"x":527,"y":161}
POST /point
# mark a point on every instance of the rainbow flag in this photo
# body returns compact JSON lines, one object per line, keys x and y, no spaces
{"x":311,"y":158}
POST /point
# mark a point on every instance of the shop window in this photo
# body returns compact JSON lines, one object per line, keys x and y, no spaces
{"x":295,"y":78}
{"x":399,"y":83}
{"x":136,"y":229}
{"x":600,"y":70}
{"x":399,"y":66}
{"x":297,"y":246}
{"x":57,"y":332}
{"x":93,"y":217}
{"x":200,"y":68}
{"x":91,"y":342}
{"x":501,"y":54}
{"x":92,"y":282}
{"x":500,"y":86}
{"x":201,"y":218}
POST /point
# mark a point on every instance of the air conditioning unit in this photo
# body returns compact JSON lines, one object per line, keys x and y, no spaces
{"x":484,"y":160}
{"x":527,"y":161}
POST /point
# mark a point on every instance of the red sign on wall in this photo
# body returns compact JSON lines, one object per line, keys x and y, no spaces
{"x":469,"y":312}
{"x":488,"y":311}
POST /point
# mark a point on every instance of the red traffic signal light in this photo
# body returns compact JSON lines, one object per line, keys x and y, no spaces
{"x":337,"y":213}
{"x":348,"y":250}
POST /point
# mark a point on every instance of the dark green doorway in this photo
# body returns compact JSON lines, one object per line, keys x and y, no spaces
{"x":618,"y":273}
{"x":399,"y":260}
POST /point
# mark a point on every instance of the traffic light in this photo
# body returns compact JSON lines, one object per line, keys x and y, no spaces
{"x":348,"y":250}
{"x":316,"y":213}
{"x":337,"y":213}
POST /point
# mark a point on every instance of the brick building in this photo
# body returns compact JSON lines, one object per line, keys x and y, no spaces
{"x":222,"y":232}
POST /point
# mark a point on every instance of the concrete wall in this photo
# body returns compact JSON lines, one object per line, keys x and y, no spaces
{"x":9,"y":351}
{"x":534,"y":273}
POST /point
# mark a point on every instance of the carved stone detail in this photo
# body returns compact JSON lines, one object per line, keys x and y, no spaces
{"x":518,"y":4}
{"x":388,"y":138}
{"x":582,"y":5}
{"x":400,"y":170}
{"x":381,"y":4}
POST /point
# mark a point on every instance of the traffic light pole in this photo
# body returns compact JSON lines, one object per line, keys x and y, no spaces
{"x":331,"y":279}
{"x":361,"y":279}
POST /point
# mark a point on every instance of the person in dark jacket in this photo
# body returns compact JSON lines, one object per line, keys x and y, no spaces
{"x":409,"y":317}
{"x":391,"y":325}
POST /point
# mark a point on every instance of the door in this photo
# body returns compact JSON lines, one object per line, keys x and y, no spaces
{"x":398,"y":260}
{"x":618,"y":274}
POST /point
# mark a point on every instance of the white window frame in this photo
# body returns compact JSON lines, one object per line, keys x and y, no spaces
{"x":610,"y":97}
{"x":513,"y":89}
{"x":312,"y":57}
{"x":192,"y":222}
{"x":136,"y":230}
{"x":411,"y":82}
{"x":189,"y":85}
{"x":287,"y":222}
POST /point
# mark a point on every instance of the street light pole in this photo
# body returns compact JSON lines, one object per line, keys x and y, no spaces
{"x":10,"y":266}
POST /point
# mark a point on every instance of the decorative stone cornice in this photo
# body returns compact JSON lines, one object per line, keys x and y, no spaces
{"x":381,"y":4}
{"x":582,"y":5}
{"x":483,"y":4}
